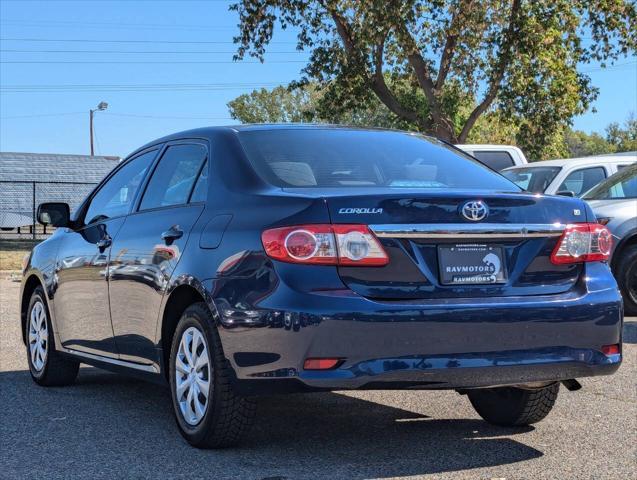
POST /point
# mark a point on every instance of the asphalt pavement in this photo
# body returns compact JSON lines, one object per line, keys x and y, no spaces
{"x":112,"y":426}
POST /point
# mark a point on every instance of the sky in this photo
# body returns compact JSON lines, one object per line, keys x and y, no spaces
{"x":113,"y":52}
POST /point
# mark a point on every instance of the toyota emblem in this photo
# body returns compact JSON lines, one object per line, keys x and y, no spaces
{"x":474,"y":210}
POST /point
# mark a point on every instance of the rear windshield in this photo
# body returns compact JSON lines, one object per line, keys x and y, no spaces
{"x":494,"y":159}
{"x":318,"y":158}
{"x":532,"y":179}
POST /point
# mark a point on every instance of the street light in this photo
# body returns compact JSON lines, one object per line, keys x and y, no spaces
{"x":100,"y":107}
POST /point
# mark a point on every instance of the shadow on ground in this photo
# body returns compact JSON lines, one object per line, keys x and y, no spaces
{"x":113,"y":426}
{"x":630,"y":332}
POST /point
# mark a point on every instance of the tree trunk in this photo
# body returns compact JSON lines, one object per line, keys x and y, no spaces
{"x":446,"y":134}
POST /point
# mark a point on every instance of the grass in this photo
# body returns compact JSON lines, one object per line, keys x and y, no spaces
{"x":13,"y":251}
{"x":11,"y":259}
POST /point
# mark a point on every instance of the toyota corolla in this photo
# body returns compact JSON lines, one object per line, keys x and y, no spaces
{"x":236,"y":261}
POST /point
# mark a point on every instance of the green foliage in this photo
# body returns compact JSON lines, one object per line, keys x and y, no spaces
{"x":273,"y":106}
{"x":438,"y":66}
{"x":624,"y":139}
{"x":581,"y":144}
{"x":304,"y":104}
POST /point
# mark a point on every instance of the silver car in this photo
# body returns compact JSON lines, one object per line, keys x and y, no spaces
{"x":614,"y":202}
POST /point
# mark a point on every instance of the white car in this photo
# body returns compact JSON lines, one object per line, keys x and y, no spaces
{"x":571,"y":176}
{"x":497,"y":157}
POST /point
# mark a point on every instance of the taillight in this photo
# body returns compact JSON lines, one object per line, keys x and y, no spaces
{"x":583,"y":242}
{"x":323,"y":244}
{"x":609,"y":350}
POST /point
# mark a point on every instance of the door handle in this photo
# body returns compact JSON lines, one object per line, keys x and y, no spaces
{"x":104,"y":242}
{"x":172,"y":234}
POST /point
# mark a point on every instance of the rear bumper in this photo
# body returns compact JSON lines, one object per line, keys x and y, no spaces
{"x":445,"y":344}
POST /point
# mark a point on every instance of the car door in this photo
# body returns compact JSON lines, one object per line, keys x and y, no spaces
{"x":150,"y":244}
{"x":81,"y":300}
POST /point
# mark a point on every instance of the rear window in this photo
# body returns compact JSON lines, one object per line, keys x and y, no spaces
{"x":532,"y":179}
{"x":318,"y":158}
{"x":494,"y":159}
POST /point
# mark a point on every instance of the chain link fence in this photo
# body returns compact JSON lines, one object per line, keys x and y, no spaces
{"x":19,"y":202}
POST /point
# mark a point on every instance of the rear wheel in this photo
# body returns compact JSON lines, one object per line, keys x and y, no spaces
{"x":510,"y":406}
{"x":208,"y":412}
{"x":626,"y":274}
{"x":48,"y":367}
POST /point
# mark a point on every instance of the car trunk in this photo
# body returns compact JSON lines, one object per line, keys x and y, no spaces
{"x":435,"y":252}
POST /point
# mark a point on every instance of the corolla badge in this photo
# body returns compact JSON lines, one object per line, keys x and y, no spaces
{"x":359,"y":211}
{"x":474,"y":210}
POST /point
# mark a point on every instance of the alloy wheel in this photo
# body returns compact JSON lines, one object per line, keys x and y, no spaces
{"x":38,"y":336}
{"x":192,"y":376}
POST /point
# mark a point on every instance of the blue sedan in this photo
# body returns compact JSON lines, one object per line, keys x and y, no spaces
{"x":231,"y":262}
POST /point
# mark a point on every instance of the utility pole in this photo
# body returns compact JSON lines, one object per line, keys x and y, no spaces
{"x":100,"y":107}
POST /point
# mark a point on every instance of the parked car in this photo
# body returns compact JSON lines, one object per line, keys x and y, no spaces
{"x":571,"y":176}
{"x":308,"y":258}
{"x":614,"y":202}
{"x":498,"y":157}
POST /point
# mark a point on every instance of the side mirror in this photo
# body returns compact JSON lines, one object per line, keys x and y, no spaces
{"x":565,"y":193}
{"x":56,"y":214}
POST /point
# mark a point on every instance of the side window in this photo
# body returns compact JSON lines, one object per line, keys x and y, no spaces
{"x":199,"y":193}
{"x":116,"y":196}
{"x":174,"y":177}
{"x":496,"y":160}
{"x":582,"y":180}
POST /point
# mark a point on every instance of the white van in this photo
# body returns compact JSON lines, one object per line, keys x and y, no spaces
{"x":570,"y":176}
{"x":497,"y":157}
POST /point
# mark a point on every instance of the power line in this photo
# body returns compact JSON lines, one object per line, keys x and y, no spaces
{"x":128,"y":1}
{"x":37,"y":115}
{"x":611,"y":67}
{"x":143,"y":51}
{"x":176,"y":42}
{"x":170,"y":117}
{"x":117,"y":25}
{"x":120,"y":62}
{"x":166,"y":87}
{"x":204,"y":62}
{"x":132,"y":115}
{"x":142,"y":85}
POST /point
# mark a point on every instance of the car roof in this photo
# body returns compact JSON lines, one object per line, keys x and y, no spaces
{"x":486,"y":146}
{"x":596,"y":160}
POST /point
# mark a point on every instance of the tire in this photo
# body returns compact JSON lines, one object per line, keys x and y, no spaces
{"x":626,"y":274}
{"x":225,"y":416}
{"x":513,"y":407}
{"x":48,"y":367}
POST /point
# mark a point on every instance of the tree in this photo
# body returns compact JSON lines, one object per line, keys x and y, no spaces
{"x":624,"y":139}
{"x":282,"y":105}
{"x":517,"y":57}
{"x":581,"y":144}
{"x":304,"y":104}
{"x":278,"y":105}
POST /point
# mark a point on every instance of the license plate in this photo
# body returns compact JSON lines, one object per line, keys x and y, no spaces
{"x":471,"y":264}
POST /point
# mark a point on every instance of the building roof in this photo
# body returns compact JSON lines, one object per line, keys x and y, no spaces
{"x":48,"y":167}
{"x":56,"y":177}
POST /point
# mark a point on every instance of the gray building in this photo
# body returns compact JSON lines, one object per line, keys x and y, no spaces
{"x":28,"y":179}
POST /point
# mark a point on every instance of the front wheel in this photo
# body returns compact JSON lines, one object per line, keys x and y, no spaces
{"x":510,"y":406}
{"x":208,"y":411}
{"x":48,"y":367}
